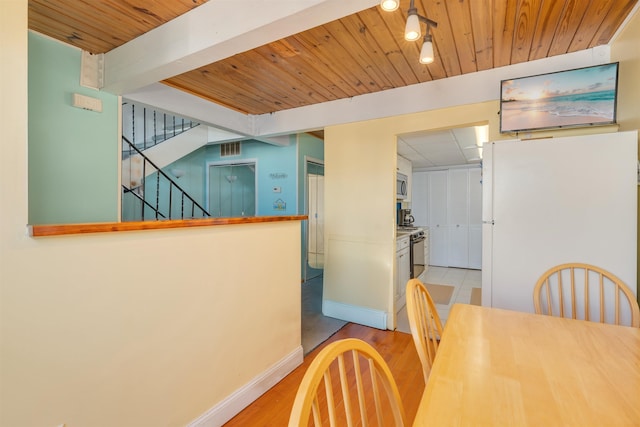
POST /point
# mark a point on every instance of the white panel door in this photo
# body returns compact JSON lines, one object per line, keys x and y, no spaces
{"x":475,"y":246}
{"x":458,"y":217}
{"x":437,"y":208}
{"x":475,"y":196}
{"x":438,"y":198}
{"x":439,"y":246}
{"x":475,"y":218}
{"x":315,"y":235}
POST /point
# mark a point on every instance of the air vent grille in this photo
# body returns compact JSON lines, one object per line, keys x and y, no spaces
{"x":230,"y":149}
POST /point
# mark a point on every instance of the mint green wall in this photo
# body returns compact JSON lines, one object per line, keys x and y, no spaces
{"x":192,"y":182}
{"x":73,"y":153}
{"x":276,"y":168}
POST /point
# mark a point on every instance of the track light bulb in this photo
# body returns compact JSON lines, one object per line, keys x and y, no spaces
{"x":412,"y":29}
{"x":426,"y":53}
{"x":389,"y":5}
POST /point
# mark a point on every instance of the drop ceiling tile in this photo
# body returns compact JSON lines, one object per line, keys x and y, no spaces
{"x":440,"y":148}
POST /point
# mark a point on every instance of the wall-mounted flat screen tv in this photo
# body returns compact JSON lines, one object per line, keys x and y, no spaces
{"x":573,"y":98}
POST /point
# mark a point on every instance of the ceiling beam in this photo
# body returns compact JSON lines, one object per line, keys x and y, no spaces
{"x":214,"y":31}
{"x":198,"y":109}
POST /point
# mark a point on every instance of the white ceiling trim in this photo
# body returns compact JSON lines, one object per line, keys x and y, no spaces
{"x":214,"y":31}
{"x":454,"y":91}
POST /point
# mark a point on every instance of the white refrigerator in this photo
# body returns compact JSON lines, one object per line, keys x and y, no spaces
{"x":553,"y":201}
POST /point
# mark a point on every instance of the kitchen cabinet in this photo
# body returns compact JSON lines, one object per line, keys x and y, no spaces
{"x":427,"y":254}
{"x":403,"y":270}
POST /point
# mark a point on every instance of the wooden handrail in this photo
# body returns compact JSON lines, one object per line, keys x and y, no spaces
{"x":104,"y":227}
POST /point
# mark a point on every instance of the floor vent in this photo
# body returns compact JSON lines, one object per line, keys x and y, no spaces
{"x":230,"y":149}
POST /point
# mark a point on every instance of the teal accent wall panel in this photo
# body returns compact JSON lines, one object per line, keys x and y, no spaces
{"x":73,"y":153}
{"x":278,"y":170}
{"x":280,"y":167}
{"x":276,"y":167}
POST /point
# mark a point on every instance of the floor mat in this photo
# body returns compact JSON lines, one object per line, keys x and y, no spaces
{"x":440,"y":294}
{"x":476,"y":296}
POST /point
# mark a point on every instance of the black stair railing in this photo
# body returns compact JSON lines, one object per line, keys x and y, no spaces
{"x":147,"y":127}
{"x":189,"y":207}
{"x":135,"y":194}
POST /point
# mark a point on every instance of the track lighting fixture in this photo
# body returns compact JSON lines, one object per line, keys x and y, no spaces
{"x":412,"y":31}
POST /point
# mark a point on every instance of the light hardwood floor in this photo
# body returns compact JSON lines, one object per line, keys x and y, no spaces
{"x":316,"y":327}
{"x":272,"y":408}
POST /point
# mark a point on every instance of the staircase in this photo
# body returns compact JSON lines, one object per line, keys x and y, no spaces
{"x":146,"y":127}
{"x":148,"y":193}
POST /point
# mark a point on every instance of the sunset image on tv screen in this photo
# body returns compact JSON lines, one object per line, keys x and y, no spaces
{"x":580,"y":97}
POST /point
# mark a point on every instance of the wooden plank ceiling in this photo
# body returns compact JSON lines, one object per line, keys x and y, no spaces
{"x":359,"y":54}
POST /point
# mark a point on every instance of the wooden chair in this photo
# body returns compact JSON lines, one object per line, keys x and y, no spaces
{"x":425,"y":324}
{"x":575,"y":290}
{"x":348,"y":383}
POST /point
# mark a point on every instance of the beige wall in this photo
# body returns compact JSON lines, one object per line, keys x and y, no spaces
{"x":626,"y":49}
{"x":92,"y":337}
{"x":359,"y":201}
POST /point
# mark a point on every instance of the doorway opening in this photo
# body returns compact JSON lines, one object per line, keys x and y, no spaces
{"x":446,"y":201}
{"x":316,"y":327}
{"x":447,"y":192}
{"x":314,"y":249}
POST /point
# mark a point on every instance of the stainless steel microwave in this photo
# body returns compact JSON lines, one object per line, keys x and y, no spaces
{"x":401,"y":186}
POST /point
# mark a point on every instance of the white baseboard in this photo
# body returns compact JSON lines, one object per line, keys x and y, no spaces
{"x":245,"y":395}
{"x":356,"y":314}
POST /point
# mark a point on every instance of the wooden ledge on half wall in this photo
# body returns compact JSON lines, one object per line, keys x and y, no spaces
{"x":107,"y":227}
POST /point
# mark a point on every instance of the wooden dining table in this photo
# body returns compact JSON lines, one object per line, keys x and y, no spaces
{"x":504,"y":368}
